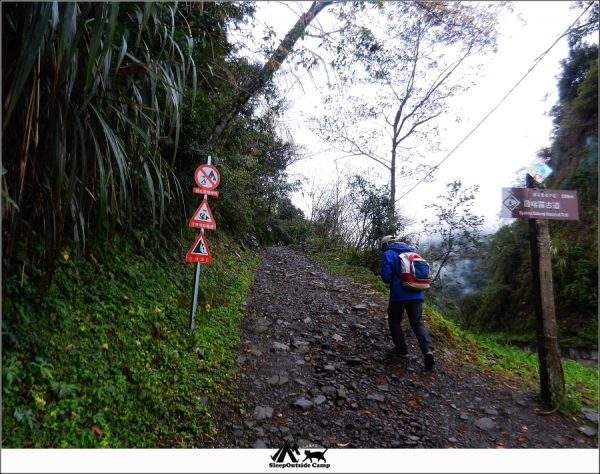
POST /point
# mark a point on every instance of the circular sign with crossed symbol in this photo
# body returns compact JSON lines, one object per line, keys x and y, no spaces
{"x":207,"y":177}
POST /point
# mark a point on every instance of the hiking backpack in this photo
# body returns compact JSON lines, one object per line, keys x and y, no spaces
{"x":415,"y":274}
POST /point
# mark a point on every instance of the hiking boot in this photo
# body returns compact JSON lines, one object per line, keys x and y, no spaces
{"x":429,"y":361}
{"x":394,"y":353}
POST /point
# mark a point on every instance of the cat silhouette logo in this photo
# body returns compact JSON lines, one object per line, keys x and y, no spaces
{"x":320,"y":456}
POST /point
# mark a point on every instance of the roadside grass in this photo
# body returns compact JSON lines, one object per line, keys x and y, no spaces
{"x":108,"y":360}
{"x":514,"y":368}
{"x":581,"y":383}
{"x":334,"y":260}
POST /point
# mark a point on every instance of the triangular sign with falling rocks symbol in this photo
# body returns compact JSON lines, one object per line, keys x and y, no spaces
{"x":199,"y":253}
{"x":203,"y":218}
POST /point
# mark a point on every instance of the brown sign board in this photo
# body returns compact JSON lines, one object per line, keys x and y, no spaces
{"x":548,"y":204}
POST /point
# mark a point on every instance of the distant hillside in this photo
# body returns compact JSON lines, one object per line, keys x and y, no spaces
{"x":506,"y":304}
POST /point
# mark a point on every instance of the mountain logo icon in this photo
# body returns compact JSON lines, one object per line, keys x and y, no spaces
{"x":286,"y":450}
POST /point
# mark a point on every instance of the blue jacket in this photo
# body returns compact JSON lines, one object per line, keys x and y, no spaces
{"x":390,"y":274}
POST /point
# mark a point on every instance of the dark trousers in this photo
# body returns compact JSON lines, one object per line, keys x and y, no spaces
{"x":414,"y":311}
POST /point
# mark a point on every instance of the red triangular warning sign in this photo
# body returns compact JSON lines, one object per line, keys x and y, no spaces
{"x":203,"y":218}
{"x":199,"y":252}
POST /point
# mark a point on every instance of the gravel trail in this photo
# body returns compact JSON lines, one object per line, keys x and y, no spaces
{"x":313,"y":371}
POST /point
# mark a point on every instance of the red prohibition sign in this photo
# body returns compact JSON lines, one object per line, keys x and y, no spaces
{"x":207,"y":176}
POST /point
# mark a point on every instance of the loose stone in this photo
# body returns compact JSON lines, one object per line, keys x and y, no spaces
{"x":589,"y":432}
{"x":320,"y":399}
{"x":303,"y":403}
{"x":591,"y":415}
{"x":259,"y":444}
{"x":260,"y":413}
{"x":376,"y":396}
{"x":484,"y":424}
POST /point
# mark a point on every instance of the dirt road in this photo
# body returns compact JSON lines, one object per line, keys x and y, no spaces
{"x":314,"y":372}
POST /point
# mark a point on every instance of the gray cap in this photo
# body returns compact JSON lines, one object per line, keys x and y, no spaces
{"x":388,"y":239}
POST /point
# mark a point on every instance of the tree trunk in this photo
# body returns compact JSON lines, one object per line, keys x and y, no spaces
{"x":550,"y":369}
{"x":268,"y":70}
{"x":392,"y":210}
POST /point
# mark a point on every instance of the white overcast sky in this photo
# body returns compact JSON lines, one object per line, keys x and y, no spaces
{"x":505,"y":142}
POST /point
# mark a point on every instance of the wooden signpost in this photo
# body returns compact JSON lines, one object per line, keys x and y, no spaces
{"x":539,"y":206}
{"x":207,"y":178}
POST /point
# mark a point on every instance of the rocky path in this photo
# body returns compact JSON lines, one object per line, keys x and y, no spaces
{"x":314,"y":372}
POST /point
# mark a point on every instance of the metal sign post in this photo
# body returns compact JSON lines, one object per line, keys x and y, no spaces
{"x":195,"y":299}
{"x":207,"y":178}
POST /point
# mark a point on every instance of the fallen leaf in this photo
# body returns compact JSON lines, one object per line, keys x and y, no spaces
{"x":22,"y":358}
{"x":524,"y":429}
{"x":97,"y":430}
{"x":343,"y":445}
{"x":68,"y":348}
{"x":522,"y":438}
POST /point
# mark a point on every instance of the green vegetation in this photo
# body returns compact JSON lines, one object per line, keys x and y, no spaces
{"x":109,"y":109}
{"x":108,"y":359}
{"x":96,"y":196}
{"x":581,"y":383}
{"x":341,"y":261}
{"x":506,"y":305}
{"x":511,"y":367}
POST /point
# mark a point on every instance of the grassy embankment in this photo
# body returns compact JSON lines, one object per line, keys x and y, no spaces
{"x":108,"y":359}
{"x":514,"y":368}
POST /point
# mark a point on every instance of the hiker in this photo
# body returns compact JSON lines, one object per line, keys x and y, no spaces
{"x":402,"y":299}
